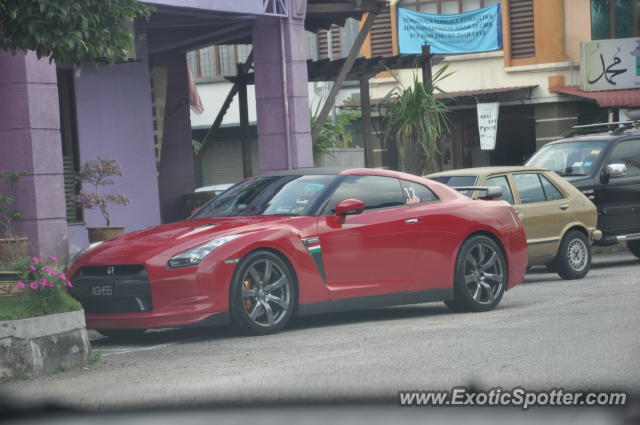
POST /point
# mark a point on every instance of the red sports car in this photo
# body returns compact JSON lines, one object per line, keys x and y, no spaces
{"x":304,"y":242}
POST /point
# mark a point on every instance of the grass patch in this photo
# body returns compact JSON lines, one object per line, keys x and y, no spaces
{"x":64,"y":367}
{"x":32,"y":304}
{"x":95,"y":356}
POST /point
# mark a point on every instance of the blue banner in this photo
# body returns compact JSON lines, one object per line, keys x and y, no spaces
{"x":474,"y":31}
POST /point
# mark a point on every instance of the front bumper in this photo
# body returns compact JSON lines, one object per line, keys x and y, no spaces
{"x":150,"y":296}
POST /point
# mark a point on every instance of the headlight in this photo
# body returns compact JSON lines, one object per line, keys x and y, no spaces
{"x":195,"y":255}
{"x":84,"y":251}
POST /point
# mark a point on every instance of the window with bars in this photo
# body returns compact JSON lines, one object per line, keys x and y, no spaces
{"x":336,"y":42}
{"x":69,"y":138}
{"x":217,"y":61}
{"x":523,"y":41}
{"x":615,"y":19}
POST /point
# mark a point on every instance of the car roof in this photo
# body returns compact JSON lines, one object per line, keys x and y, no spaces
{"x":341,"y":171}
{"x":603,"y":136}
{"x":484,"y":171}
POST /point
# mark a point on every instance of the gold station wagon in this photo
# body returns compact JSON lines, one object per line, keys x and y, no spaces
{"x":559,"y":221}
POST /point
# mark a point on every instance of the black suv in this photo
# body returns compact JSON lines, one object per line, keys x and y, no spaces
{"x":603,"y":161}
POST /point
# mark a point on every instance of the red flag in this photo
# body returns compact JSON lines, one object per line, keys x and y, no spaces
{"x":194,"y":97}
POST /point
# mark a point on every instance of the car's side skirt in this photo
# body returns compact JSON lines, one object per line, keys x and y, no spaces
{"x":373,"y":301}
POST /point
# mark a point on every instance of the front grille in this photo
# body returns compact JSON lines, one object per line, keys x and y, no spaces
{"x":124,"y":270}
{"x":113,"y":289}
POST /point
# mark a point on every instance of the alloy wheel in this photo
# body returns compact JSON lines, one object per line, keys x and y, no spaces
{"x":577,"y":255}
{"x":266,"y":292}
{"x":483,"y":273}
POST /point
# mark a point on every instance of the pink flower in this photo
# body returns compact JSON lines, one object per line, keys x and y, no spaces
{"x":36,"y":259}
{"x":53,"y":258}
{"x":20,"y":285}
{"x":32,"y":268}
{"x":33,"y":285}
{"x":43,"y":282}
{"x":63,"y":276}
{"x":69,"y":284}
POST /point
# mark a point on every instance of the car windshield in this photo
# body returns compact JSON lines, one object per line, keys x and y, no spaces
{"x":278,"y":195}
{"x":568,"y":159}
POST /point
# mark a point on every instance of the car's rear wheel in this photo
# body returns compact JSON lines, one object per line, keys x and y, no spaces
{"x":634,"y":247}
{"x":122,"y":334}
{"x":480,"y":275}
{"x":262,"y":295}
{"x":573,"y":260}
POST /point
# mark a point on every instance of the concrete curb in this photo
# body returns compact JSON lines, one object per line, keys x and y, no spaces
{"x":36,"y":327}
{"x":43,"y":344}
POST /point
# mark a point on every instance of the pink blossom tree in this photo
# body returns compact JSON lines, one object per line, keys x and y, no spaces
{"x":98,"y":173}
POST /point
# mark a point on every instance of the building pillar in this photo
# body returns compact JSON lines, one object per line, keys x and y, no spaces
{"x":176,"y":177}
{"x":30,"y":142}
{"x":282,"y":103}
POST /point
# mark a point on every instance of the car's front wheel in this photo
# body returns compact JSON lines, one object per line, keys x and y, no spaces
{"x":573,"y":260}
{"x":634,"y":247}
{"x":262,"y":294}
{"x":480,"y":275}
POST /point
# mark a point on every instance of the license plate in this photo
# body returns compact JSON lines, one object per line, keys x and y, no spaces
{"x":99,"y":291}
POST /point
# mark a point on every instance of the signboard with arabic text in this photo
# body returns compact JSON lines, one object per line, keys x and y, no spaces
{"x":610,"y":64}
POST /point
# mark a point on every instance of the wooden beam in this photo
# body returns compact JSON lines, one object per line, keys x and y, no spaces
{"x":245,"y":145}
{"x":367,"y":127}
{"x":344,"y":71}
{"x":208,"y":139}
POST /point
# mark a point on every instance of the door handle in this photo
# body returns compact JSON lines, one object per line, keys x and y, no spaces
{"x":564,"y":207}
{"x":412,"y":220}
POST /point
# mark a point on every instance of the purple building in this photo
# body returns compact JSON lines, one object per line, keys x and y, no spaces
{"x":54,"y":117}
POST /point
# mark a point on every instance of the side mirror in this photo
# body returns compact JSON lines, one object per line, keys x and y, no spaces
{"x":616,"y":170}
{"x":349,"y":207}
{"x":486,"y":192}
{"x":492,"y":192}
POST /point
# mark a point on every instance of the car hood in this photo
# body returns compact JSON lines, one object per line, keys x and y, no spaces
{"x":176,"y":237}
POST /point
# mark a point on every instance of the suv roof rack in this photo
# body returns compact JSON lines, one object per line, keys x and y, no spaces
{"x":614,"y":128}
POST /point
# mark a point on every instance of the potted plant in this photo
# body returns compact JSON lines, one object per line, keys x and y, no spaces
{"x":10,"y":243}
{"x":98,"y":173}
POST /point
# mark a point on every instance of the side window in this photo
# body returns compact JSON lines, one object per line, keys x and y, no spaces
{"x":550,"y":191}
{"x":627,"y":153}
{"x":529,"y":188}
{"x":374,"y":191}
{"x":504,"y":184}
{"x":415,"y":193}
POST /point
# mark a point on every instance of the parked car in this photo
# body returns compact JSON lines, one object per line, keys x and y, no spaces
{"x":560,"y":222}
{"x":305,"y":242}
{"x":602,"y":161}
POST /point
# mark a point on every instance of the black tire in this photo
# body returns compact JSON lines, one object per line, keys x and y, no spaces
{"x":122,"y":334}
{"x":260,"y":301}
{"x":481,"y":276}
{"x":634,"y":247}
{"x":573,"y":259}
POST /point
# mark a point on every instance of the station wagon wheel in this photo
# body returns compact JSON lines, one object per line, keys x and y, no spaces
{"x":480,"y":275}
{"x":262,"y":294}
{"x":573,"y":259}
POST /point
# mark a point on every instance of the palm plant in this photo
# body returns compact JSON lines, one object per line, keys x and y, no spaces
{"x":415,"y":118}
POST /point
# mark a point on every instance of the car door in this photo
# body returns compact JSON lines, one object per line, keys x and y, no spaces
{"x":373,"y":252}
{"x":544,"y":211}
{"x":618,"y":198}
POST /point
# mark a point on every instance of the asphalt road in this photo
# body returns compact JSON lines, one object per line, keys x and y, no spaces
{"x":546,"y":333}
